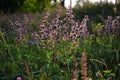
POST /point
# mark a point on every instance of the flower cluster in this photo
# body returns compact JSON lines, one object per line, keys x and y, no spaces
{"x":79,"y":30}
{"x":35,"y":37}
{"x":112,"y":25}
{"x":60,"y":28}
{"x":63,"y":28}
{"x":43,"y":32}
{"x":20,"y":31}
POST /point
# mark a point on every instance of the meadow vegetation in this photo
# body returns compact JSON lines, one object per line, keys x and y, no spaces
{"x":59,"y":46}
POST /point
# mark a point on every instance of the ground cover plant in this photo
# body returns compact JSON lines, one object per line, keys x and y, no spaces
{"x":58,"y":47}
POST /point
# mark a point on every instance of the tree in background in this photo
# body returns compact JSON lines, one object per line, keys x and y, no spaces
{"x":62,"y":3}
{"x":35,"y":5}
{"x":24,"y":5}
{"x":55,"y":1}
{"x":117,"y":1}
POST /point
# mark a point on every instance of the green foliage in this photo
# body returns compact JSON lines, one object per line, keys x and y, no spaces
{"x":53,"y":60}
{"x":97,"y":11}
{"x":24,"y":5}
{"x":35,"y":5}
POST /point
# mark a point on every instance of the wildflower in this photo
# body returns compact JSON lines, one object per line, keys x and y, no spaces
{"x":110,"y":78}
{"x":46,"y":16}
{"x":66,"y":26}
{"x":108,"y":25}
{"x":98,"y":73}
{"x":20,"y":35}
{"x":112,"y":25}
{"x":35,"y":36}
{"x":19,"y":78}
{"x":83,"y":31}
{"x":99,"y":30}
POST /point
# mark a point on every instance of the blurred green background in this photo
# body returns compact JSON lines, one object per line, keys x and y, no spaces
{"x":97,"y":11}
